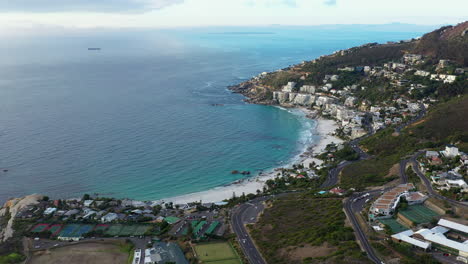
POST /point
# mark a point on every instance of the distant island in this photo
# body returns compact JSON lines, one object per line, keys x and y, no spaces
{"x":94,"y":48}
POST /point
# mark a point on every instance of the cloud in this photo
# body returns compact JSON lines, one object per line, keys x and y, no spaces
{"x":100,"y":6}
{"x":271,"y":3}
{"x":330,"y":2}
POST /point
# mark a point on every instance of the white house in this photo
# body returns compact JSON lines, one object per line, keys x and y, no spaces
{"x":109,"y":217}
{"x":450,"y":151}
{"x":50,"y":211}
{"x":87,"y":203}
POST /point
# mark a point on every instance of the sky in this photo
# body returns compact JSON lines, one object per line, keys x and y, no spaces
{"x":33,"y":14}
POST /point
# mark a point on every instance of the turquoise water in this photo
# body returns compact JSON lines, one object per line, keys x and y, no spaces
{"x":137,"y":120}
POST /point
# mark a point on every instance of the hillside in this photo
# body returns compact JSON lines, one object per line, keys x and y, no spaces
{"x":444,"y":124}
{"x":447,"y":43}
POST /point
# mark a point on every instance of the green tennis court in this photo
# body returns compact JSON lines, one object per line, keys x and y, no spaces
{"x":198,"y":227}
{"x":55,"y":229}
{"x":141,"y":230}
{"x":114,"y":230}
{"x":39,"y":228}
{"x":128,"y":230}
{"x":394,"y":225}
{"x":212,"y":227}
{"x":418,"y":214}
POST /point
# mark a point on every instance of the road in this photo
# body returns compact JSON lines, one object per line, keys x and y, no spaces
{"x":244,"y":214}
{"x":333,"y":174}
{"x":351,"y":206}
{"x":428,"y":184}
{"x":247,"y":212}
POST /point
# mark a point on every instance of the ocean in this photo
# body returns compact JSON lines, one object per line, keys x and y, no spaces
{"x":149,"y":115}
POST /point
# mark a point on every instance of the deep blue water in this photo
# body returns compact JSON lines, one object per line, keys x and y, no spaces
{"x":136,"y":118}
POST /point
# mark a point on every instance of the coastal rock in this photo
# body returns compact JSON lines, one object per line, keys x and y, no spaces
{"x":235,"y":172}
{"x":11,"y":208}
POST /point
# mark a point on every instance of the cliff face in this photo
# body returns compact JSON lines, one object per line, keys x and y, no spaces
{"x":9,"y":211}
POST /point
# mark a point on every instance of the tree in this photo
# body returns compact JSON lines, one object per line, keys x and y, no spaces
{"x":86,"y":197}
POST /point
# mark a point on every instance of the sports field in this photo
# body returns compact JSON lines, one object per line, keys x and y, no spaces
{"x":126,"y":230}
{"x":394,"y":225}
{"x":83,"y":229}
{"x":100,"y":227}
{"x":418,"y":214}
{"x":55,"y":229}
{"x":68,"y":230}
{"x":39,"y":228}
{"x":114,"y":230}
{"x":216,"y":253}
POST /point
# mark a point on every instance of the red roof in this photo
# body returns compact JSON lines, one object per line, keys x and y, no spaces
{"x":337,"y":190}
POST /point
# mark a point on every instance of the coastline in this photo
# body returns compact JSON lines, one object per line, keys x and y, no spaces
{"x":324,"y":129}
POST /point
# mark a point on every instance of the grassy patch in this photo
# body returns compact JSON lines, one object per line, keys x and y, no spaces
{"x":371,"y":172}
{"x":11,"y":258}
{"x":220,"y":252}
{"x":299,"y":220}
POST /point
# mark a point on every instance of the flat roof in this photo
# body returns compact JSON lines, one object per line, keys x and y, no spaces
{"x":453,"y":225}
{"x":439,"y":238}
{"x":406,"y":236}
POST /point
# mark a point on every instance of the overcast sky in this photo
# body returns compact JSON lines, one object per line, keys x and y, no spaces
{"x":176,"y":13}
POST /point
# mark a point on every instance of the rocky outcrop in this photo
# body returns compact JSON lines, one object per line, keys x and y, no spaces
{"x":9,"y":211}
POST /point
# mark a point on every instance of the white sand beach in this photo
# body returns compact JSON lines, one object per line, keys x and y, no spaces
{"x":324,"y":129}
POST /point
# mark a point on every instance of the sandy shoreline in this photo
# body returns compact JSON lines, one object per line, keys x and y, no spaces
{"x":324,"y":129}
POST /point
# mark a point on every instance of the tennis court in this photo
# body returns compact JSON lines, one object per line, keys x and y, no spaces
{"x":394,"y":225}
{"x":40,"y":228}
{"x":193,"y":223}
{"x":114,"y":230}
{"x":141,"y":230}
{"x":55,"y":229}
{"x":128,"y":230}
{"x":198,"y":227}
{"x":212,"y":227}
{"x":101,"y":227}
{"x":68,"y":230}
{"x":418,"y":214}
{"x":124,"y":230}
{"x":83,"y":229}
{"x":216,"y":253}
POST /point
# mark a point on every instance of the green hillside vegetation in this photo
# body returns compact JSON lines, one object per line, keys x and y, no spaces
{"x":371,"y":55}
{"x":440,"y":44}
{"x":299,"y":220}
{"x":444,"y":124}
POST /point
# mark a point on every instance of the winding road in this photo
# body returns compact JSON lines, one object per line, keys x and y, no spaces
{"x":427,"y":183}
{"x":247,"y":212}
